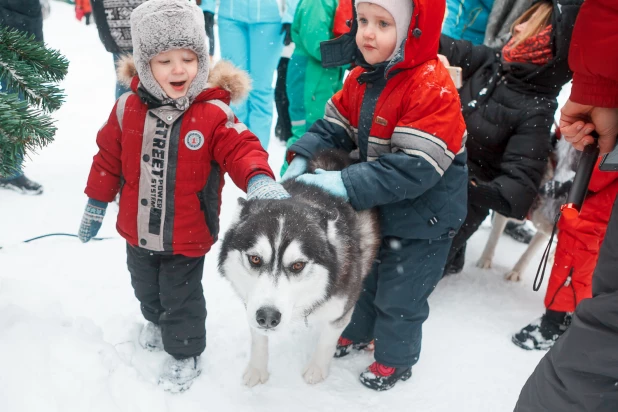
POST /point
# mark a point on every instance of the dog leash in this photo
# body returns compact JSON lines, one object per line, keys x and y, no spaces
{"x":545,"y":258}
{"x":60,"y":234}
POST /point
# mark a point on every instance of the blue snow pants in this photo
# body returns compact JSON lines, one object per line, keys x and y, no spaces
{"x":256,"y":48}
{"x":393,"y":305}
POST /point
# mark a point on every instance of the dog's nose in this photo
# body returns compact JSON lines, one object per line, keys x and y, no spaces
{"x":268,"y":317}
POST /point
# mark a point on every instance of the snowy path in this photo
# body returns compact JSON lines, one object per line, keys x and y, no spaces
{"x":69,"y":321}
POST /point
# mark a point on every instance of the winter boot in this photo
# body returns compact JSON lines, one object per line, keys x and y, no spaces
{"x":178,"y":374}
{"x":519,"y":231}
{"x":381,"y":378}
{"x":22,"y":185}
{"x":543,"y":332}
{"x":150,"y":337}
{"x":456,"y":265}
{"x":345,"y":346}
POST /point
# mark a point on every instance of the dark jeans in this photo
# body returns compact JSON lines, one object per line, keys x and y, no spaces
{"x":209,"y":20}
{"x":476,"y":216}
{"x":580,"y":372}
{"x":169,"y":288}
{"x":393,"y":305}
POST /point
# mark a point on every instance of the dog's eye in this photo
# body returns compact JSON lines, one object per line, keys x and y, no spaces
{"x":255,"y":260}
{"x":297,"y":267}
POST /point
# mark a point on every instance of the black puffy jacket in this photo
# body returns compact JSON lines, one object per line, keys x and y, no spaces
{"x":22,"y":15}
{"x":509,"y":111}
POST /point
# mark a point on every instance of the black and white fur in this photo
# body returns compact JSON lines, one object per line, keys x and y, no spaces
{"x":543,"y":212}
{"x":302,"y":257}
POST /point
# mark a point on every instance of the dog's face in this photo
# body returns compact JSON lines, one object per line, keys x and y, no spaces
{"x":280,"y":257}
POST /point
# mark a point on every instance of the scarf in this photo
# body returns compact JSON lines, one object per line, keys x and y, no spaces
{"x":534,"y":50}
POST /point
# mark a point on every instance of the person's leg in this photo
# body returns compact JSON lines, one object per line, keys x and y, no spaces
{"x":360,"y":328}
{"x":296,"y":95}
{"x":282,"y":103}
{"x":120,"y":87}
{"x":476,"y":216}
{"x":408,"y":273}
{"x":210,"y":31}
{"x":234,"y":43}
{"x":579,"y":373}
{"x":183,"y":323}
{"x":266,"y":45}
{"x":143,"y":266}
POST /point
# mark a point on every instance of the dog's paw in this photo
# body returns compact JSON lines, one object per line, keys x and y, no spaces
{"x":253,"y":376}
{"x":483,"y":263}
{"x":314,"y":373}
{"x":513,"y":276}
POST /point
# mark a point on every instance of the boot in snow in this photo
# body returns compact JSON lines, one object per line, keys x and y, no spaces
{"x":543,"y":332}
{"x":178,"y":374}
{"x":381,"y":378}
{"x":345,"y":346}
{"x":150,"y":337}
{"x":521,"y":232}
{"x":22,"y":185}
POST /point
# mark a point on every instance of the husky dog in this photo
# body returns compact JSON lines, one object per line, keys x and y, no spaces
{"x":302,"y":257}
{"x":543,"y":212}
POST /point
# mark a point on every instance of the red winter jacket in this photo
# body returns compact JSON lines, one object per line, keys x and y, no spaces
{"x":579,"y":242}
{"x":172,"y":165}
{"x":593,"y":55}
{"x":404,"y":123}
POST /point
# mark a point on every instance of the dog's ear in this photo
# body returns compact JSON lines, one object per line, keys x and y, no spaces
{"x":242,"y":201}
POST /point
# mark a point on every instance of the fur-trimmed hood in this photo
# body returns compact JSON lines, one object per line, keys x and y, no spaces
{"x":223,"y":75}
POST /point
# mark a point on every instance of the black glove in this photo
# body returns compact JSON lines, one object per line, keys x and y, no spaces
{"x":554,"y":189}
{"x":287,"y":29}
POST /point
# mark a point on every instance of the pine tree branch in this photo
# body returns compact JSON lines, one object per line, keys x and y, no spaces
{"x":49,"y":64}
{"x":22,"y":130}
{"x":20,"y":77}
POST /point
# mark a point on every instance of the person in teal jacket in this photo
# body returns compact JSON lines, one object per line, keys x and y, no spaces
{"x":467,"y":19}
{"x":251,"y":35}
{"x":208,"y":7}
{"x":309,"y":85}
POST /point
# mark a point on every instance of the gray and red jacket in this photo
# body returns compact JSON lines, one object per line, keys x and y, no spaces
{"x":172,"y":165}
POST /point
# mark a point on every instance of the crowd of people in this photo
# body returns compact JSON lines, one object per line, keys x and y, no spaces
{"x":434,"y":159}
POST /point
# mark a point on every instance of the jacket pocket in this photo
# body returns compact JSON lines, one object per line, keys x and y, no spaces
{"x":424,"y":209}
{"x":209,"y":201}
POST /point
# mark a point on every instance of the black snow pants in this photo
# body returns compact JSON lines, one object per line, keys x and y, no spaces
{"x":580,"y":372}
{"x":169,"y":288}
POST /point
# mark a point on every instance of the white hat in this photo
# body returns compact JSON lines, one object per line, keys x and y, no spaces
{"x":401,"y":10}
{"x":161,"y":25}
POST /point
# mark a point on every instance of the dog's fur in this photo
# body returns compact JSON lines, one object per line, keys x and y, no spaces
{"x":334,"y":244}
{"x":543,"y":212}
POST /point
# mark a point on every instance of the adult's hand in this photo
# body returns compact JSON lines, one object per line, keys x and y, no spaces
{"x":577,"y":121}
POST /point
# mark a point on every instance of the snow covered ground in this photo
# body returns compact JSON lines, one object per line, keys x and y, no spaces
{"x":69,"y":321}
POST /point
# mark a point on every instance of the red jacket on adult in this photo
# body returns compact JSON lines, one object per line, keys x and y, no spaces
{"x":579,"y":242}
{"x":594,"y":65}
{"x":172,"y":164}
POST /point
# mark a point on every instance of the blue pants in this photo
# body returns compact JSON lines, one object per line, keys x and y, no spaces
{"x":256,"y":48}
{"x":120,"y":88}
{"x":393,"y":305}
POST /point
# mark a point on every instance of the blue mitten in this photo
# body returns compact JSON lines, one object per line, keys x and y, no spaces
{"x":263,"y":187}
{"x":330,"y":181}
{"x":296,"y":168}
{"x":92,"y":220}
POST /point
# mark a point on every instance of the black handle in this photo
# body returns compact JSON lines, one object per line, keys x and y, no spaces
{"x":578,"y":191}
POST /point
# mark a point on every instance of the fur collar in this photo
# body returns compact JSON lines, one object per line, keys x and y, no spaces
{"x":223,"y":75}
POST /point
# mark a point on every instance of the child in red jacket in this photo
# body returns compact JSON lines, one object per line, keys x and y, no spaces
{"x":166,"y":147}
{"x":399,"y":115}
{"x":577,"y":250}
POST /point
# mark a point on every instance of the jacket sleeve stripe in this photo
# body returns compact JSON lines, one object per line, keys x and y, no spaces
{"x":332,"y":115}
{"x":428,"y":158}
{"x":231,"y":119}
{"x":414,"y":133}
{"x":412,"y":143}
